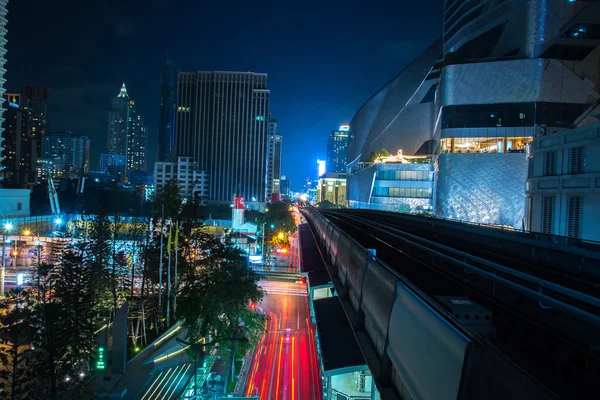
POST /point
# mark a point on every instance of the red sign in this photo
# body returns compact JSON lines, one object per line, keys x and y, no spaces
{"x":239,"y":203}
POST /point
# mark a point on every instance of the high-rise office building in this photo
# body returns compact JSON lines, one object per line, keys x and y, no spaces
{"x":337,"y":150}
{"x":3,"y":22}
{"x":168,"y":111}
{"x":25,"y":124}
{"x":65,"y":155}
{"x":285,"y":187}
{"x":138,"y":144}
{"x":127,"y":132}
{"x":17,"y":151}
{"x":222,"y":122}
{"x":274,"y":144}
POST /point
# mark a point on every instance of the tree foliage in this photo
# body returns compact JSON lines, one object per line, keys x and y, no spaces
{"x":280,"y":217}
{"x":378,"y":154}
{"x":215,"y":298}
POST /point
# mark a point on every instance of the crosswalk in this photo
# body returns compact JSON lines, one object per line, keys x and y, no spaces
{"x":283,"y":288}
{"x":168,"y":383}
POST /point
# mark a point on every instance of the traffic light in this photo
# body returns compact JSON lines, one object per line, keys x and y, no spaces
{"x":100,"y":361}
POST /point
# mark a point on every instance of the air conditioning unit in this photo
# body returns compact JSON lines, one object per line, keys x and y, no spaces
{"x":470,"y":314}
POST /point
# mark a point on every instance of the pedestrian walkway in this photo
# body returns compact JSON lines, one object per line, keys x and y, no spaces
{"x":155,"y":371}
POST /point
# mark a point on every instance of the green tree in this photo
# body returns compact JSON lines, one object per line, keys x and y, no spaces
{"x":19,"y":360}
{"x":280,"y":218}
{"x":326,"y":205}
{"x":168,"y":197}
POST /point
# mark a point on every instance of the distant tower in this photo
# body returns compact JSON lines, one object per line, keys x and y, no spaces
{"x":337,"y":150}
{"x":127,"y":134}
{"x":275,"y":143}
{"x":168,"y":111}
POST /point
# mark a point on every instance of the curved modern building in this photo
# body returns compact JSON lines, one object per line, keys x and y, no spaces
{"x":398,"y":117}
{"x":505,"y":72}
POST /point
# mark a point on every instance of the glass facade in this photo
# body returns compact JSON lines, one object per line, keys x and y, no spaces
{"x":416,"y":193}
{"x":485,"y":145}
{"x":511,"y":115}
{"x":404,"y":175}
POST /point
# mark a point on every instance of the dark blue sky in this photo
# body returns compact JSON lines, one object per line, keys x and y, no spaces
{"x":324,"y":59}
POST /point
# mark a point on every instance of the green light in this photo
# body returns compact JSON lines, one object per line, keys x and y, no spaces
{"x":100,"y":361}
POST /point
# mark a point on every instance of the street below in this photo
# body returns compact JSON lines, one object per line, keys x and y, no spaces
{"x":284,"y":365}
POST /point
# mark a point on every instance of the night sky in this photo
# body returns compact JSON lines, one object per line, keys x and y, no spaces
{"x":323,"y":59}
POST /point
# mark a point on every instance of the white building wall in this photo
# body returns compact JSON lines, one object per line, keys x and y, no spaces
{"x":14,"y":202}
{"x":190,"y":180}
{"x":565,"y":183}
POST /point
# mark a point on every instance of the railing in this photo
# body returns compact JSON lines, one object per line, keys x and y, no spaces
{"x":414,"y":348}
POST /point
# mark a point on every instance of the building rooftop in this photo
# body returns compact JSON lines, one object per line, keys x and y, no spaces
{"x":339,"y":349}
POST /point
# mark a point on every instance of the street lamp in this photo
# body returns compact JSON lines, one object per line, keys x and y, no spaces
{"x":58,"y":221}
{"x":7,"y":228}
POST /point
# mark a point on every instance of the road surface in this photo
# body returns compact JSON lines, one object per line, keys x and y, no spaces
{"x":285,"y":365}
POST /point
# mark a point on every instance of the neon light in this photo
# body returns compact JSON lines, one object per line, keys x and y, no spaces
{"x":178,"y":382}
{"x":321,"y":169}
{"x":159,"y":359}
{"x":159,"y":383}
{"x":169,"y":335}
{"x":173,"y":381}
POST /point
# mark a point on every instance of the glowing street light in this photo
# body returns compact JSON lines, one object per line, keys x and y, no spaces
{"x":58,"y":221}
{"x":26,"y":232}
{"x":8,"y":227}
{"x":280,"y":235}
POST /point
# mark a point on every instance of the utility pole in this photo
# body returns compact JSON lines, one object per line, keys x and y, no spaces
{"x":160,"y":266}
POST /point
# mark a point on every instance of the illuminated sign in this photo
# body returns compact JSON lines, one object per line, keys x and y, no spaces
{"x":321,"y":164}
{"x":344,"y":128}
{"x":100,"y":361}
{"x":19,"y":279}
{"x":15,"y":105}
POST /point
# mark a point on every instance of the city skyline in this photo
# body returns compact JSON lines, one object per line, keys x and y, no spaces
{"x":82,"y":85}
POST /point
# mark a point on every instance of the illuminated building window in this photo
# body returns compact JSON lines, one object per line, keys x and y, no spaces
{"x":485,"y":145}
{"x":260,"y":118}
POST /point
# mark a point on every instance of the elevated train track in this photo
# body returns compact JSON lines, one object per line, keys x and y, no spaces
{"x":545,"y":316}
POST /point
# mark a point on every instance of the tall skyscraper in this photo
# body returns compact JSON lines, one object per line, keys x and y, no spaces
{"x":222,"y":122}
{"x":168,"y":111}
{"x":337,"y":150}
{"x":25,"y":124}
{"x":17,"y":151}
{"x":65,"y":154}
{"x":275,"y":144}
{"x":138,"y":144}
{"x":127,"y":132}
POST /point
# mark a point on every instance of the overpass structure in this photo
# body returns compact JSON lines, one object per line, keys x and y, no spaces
{"x":443,"y":310}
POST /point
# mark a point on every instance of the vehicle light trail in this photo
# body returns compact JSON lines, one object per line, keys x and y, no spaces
{"x":279,"y":367}
{"x":293,"y":360}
